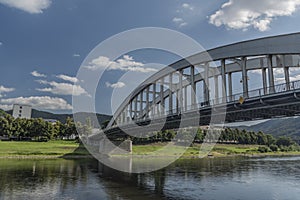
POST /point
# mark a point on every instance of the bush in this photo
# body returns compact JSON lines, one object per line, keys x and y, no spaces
{"x":263,"y":149}
{"x":274,"y":148}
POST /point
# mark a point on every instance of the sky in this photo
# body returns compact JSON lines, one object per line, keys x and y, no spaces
{"x":43,"y":43}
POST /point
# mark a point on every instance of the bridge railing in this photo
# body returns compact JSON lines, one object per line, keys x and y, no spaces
{"x":257,"y":93}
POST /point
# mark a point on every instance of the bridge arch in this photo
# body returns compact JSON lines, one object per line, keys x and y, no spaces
{"x":167,"y":92}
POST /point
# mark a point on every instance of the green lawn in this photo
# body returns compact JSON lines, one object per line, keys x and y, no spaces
{"x":218,"y":150}
{"x":51,"y":148}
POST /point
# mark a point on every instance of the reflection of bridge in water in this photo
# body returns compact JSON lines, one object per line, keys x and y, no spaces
{"x":201,"y":86}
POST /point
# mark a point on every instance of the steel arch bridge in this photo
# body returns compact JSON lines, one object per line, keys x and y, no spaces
{"x":199,"y":84}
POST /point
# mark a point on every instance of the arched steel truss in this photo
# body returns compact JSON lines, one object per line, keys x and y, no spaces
{"x":169,"y":91}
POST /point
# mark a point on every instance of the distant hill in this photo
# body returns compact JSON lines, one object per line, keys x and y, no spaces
{"x":278,"y":127}
{"x":63,"y":117}
{"x":2,"y":113}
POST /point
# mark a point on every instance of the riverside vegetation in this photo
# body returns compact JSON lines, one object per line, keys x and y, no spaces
{"x":231,"y":141}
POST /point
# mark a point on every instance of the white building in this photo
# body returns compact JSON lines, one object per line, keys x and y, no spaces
{"x":22,"y":111}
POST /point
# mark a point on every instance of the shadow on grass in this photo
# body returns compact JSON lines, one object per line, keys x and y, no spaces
{"x":79,"y":152}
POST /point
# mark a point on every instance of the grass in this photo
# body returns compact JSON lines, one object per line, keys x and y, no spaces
{"x":51,"y":148}
{"x":219,"y":150}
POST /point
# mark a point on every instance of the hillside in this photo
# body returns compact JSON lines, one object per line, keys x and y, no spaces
{"x":2,"y":113}
{"x":278,"y":127}
{"x":63,"y":117}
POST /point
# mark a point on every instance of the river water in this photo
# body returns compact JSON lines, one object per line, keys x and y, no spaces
{"x":212,"y":178}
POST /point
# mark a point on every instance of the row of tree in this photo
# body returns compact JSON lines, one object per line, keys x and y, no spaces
{"x":39,"y":129}
{"x":36,"y":129}
{"x":226,"y":136}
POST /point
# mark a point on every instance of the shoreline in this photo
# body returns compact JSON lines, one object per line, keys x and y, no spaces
{"x":72,"y":150}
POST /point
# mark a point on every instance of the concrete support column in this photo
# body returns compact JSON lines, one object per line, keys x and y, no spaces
{"x":170,"y":94}
{"x":180,"y":103}
{"x":193,"y":88}
{"x":206,"y":84}
{"x":244,"y":77}
{"x":286,"y":73}
{"x":230,"y":87}
{"x":216,"y":80}
{"x":224,"y":85}
{"x":162,"y":101}
{"x":271,"y":75}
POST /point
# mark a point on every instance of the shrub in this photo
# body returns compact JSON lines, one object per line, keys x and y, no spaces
{"x":274,"y":147}
{"x":263,"y":149}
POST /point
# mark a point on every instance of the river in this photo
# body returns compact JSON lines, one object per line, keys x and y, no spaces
{"x":213,"y":178}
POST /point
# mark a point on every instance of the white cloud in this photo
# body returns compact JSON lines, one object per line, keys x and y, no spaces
{"x":179,"y":21}
{"x":259,"y":14}
{"x":1,"y":43}
{"x":62,"y":88}
{"x":67,"y":78}
{"x":43,"y":102}
{"x":115,"y":85}
{"x":4,"y":90}
{"x":37,"y":74}
{"x":126,"y":63}
{"x":30,"y":6}
{"x":187,"y":6}
{"x":76,"y":55}
{"x":5,"y":107}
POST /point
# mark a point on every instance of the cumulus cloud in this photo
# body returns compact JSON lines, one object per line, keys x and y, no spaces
{"x":126,"y":63}
{"x":42,"y":102}
{"x":115,"y":85}
{"x":179,"y":21}
{"x":37,"y":74}
{"x":187,"y":6}
{"x":67,"y":78}
{"x":30,"y":6}
{"x":62,"y":88}
{"x":4,"y":90}
{"x":5,"y":107}
{"x":259,"y":14}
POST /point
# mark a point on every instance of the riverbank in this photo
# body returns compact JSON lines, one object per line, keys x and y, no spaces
{"x":71,"y":149}
{"x":42,"y":150}
{"x":219,"y":150}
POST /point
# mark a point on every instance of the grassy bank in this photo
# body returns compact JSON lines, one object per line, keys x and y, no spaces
{"x":51,"y":149}
{"x":219,"y":150}
{"x":71,"y":149}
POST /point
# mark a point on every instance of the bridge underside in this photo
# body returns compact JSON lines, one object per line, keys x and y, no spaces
{"x":267,"y":107}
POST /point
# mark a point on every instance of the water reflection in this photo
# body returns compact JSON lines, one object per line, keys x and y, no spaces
{"x":222,"y":178}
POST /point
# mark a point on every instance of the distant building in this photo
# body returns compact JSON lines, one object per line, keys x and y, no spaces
{"x":52,"y":121}
{"x":22,"y":111}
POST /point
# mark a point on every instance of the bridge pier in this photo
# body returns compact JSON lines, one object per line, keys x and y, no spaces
{"x":108,"y":147}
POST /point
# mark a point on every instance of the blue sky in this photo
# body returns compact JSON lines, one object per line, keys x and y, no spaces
{"x":44,"y":42}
